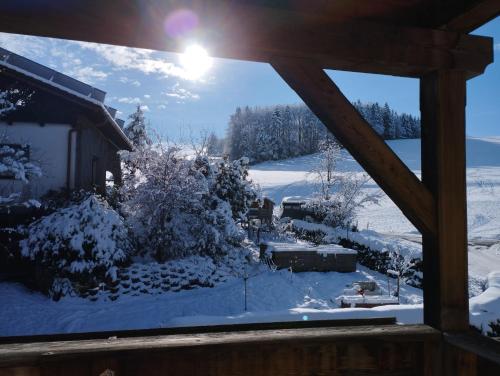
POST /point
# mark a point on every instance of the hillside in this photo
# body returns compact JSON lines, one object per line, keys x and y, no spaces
{"x":292,"y":177}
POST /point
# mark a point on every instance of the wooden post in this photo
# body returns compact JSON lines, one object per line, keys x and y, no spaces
{"x":328,"y":103}
{"x":442,"y":104}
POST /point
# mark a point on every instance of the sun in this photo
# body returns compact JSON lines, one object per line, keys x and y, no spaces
{"x":196,"y":62}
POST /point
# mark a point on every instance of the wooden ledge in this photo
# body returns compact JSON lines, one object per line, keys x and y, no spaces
{"x":471,"y":342}
{"x":24,"y":354}
{"x":183,"y":330}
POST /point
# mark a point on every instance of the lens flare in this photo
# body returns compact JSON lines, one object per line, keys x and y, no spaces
{"x":195,"y":61}
{"x":180,"y":23}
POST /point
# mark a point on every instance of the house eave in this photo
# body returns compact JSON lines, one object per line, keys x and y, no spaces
{"x":117,"y":135}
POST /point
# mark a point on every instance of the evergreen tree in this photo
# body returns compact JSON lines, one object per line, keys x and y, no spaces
{"x":387,"y":123}
{"x":280,"y":132}
{"x":136,"y":128}
{"x":276,"y":133}
{"x":215,"y":146}
{"x":232,"y":185}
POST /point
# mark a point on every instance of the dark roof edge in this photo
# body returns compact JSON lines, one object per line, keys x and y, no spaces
{"x":96,"y":103}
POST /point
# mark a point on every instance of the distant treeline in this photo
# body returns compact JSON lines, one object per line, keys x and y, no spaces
{"x":280,"y":132}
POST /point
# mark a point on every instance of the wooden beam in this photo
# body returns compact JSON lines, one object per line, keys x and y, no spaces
{"x":211,"y":344}
{"x":476,"y":14}
{"x":255,"y":33}
{"x":478,"y":344}
{"x":186,"y":330}
{"x":442,"y":103}
{"x":326,"y":100}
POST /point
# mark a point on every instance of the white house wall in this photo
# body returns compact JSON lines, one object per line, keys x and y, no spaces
{"x":48,"y":147}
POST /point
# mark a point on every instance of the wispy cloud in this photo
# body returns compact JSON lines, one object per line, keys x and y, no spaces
{"x":180,"y":93}
{"x":60,"y":54}
{"x":88,"y":74}
{"x":25,"y":45}
{"x":146,"y":61}
{"x":162,"y":106}
{"x":145,"y":108}
{"x":73,"y":66}
{"x":130,"y":81}
{"x":129,"y":100}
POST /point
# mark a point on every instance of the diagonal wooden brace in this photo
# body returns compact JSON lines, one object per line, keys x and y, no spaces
{"x":326,"y":100}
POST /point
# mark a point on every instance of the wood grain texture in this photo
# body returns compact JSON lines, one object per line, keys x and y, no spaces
{"x":388,"y":349}
{"x":343,"y":40}
{"x":228,"y":328}
{"x":327,"y":102}
{"x":456,"y":17}
{"x":443,"y":172}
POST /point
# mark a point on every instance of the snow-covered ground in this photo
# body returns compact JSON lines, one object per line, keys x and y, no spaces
{"x":272,"y":296}
{"x":281,"y":296}
{"x":291,"y":177}
{"x":279,"y":179}
{"x":485,"y":307}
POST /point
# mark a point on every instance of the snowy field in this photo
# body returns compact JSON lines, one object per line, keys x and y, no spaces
{"x":272,"y":296}
{"x":281,"y":296}
{"x":292,"y":177}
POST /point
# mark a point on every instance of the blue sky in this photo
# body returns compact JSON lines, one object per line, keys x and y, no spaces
{"x":177,"y":107}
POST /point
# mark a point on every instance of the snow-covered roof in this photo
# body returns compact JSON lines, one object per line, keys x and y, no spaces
{"x":67,"y":84}
{"x":334,"y":249}
{"x":294,"y":200}
{"x":371,"y":299}
{"x":324,"y":249}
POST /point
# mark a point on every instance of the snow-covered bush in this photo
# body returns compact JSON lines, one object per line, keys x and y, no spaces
{"x":83,"y":243}
{"x":494,"y":330}
{"x":232,"y":186}
{"x":339,"y":208}
{"x":339,"y":195}
{"x":171,"y":205}
{"x":6,"y":105}
{"x":15,"y":161}
{"x":11,"y":99}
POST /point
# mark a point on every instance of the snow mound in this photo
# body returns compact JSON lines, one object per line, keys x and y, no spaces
{"x":85,"y":242}
{"x":485,"y":308}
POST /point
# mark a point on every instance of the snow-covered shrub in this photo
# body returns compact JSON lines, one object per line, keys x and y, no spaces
{"x":15,"y":161}
{"x":494,"y":330}
{"x":232,"y":186}
{"x":83,"y":243}
{"x":339,"y":195}
{"x":13,"y":98}
{"x":62,"y":198}
{"x":16,"y":164}
{"x":170,"y":204}
{"x":339,"y":208}
{"x":10,"y":260}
